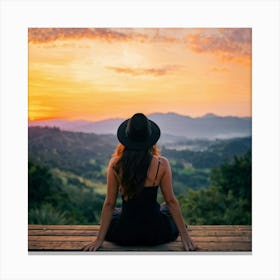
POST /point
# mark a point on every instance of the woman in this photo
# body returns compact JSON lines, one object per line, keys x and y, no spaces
{"x":137,"y":171}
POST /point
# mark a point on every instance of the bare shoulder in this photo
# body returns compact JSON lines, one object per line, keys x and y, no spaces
{"x":112,"y":162}
{"x":111,"y":167}
{"x":164,"y":162}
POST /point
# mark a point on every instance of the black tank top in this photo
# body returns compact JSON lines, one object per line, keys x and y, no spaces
{"x":140,"y":221}
{"x":145,"y":205}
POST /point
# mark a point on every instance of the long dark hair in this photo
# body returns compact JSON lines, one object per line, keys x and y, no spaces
{"x":132,"y":167}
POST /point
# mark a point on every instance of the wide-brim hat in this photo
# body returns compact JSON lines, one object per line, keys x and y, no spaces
{"x":138,"y":132}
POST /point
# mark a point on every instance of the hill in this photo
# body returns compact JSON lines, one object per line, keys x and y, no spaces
{"x":87,"y":154}
{"x":84,"y":154}
{"x":67,"y":177}
{"x":209,"y":126}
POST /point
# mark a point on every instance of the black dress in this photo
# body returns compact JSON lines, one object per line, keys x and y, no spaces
{"x":142,"y":221}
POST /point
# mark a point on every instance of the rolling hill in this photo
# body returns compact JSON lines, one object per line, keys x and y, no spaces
{"x":209,"y":126}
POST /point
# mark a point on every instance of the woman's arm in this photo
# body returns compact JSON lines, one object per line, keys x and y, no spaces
{"x":173,"y":206}
{"x":107,"y":209}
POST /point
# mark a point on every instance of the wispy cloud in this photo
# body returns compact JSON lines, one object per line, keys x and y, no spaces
{"x":159,"y":37}
{"x":219,"y":69}
{"x":46,"y":35}
{"x":168,"y":69}
{"x":50,"y":35}
{"x":230,"y":44}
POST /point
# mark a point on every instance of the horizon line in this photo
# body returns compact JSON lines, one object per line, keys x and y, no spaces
{"x":154,"y":113}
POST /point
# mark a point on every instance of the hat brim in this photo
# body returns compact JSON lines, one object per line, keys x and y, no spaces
{"x":135,"y":145}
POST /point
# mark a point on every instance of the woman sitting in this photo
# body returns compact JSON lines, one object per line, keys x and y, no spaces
{"x":136,"y":170}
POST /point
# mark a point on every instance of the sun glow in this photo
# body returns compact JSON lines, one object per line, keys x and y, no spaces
{"x":97,"y":74}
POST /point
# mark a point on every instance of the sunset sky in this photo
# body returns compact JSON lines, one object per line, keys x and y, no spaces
{"x":95,"y":74}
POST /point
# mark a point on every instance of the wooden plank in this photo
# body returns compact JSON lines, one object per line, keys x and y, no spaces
{"x":225,"y":246}
{"x":63,"y":232}
{"x":219,"y":233}
{"x":107,"y":246}
{"x":91,"y":238}
{"x":74,"y":237}
{"x":74,"y":232}
{"x":174,"y":246}
{"x":221,"y":227}
{"x":46,"y":227}
{"x":34,"y":229}
{"x":96,"y":227}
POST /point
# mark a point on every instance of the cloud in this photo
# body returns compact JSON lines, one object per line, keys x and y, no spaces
{"x":159,"y":37}
{"x":50,"y":35}
{"x":47,"y":35}
{"x":229,"y":44}
{"x":219,"y":69}
{"x":145,"y":71}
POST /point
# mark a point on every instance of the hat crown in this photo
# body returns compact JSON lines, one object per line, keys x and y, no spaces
{"x":138,"y":128}
{"x":138,"y":132}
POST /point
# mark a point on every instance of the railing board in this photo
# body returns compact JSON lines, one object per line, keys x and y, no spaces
{"x":107,"y":246}
{"x":73,"y":238}
{"x":95,"y":232}
{"x":96,"y":227}
{"x":47,"y":227}
{"x":63,"y":232}
{"x":91,"y":238}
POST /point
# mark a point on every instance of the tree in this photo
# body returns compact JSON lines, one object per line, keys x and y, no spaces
{"x":235,"y":178}
{"x":46,"y":214}
{"x":56,"y":201}
{"x":42,"y":185}
{"x":227,"y":200}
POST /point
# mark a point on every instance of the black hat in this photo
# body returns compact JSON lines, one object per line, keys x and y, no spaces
{"x":138,"y":132}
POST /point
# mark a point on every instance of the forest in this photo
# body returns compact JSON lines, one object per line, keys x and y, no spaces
{"x":67,"y":178}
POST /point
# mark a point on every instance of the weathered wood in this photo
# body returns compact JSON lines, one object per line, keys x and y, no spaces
{"x":69,"y":232}
{"x":96,"y":227}
{"x":107,"y":246}
{"x":91,"y":238}
{"x":63,"y":232}
{"x":47,"y":227}
{"x":73,"y":238}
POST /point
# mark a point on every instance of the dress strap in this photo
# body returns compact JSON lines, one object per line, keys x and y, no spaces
{"x":157,"y":172}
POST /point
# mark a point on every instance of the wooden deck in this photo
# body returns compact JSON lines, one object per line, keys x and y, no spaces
{"x":72,"y":238}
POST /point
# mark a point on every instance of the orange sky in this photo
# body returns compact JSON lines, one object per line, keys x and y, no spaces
{"x":94,"y":74}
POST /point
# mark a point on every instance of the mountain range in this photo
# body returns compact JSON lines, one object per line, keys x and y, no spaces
{"x":172,"y":125}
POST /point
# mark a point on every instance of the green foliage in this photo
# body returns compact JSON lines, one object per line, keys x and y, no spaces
{"x":67,"y":178}
{"x":184,"y":178}
{"x":56,"y":201}
{"x":84,"y":154}
{"x":212,"y":153}
{"x":235,"y":177}
{"x":43,"y":186}
{"x":46,"y":214}
{"x":227,"y":201}
{"x":204,"y":206}
{"x":83,"y":206}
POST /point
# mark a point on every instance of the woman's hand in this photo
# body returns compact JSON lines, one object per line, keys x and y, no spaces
{"x":189,"y":245}
{"x":93,"y":246}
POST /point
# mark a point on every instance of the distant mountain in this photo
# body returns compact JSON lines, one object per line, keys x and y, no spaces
{"x":208,"y":126}
{"x":100,"y":127}
{"x":209,"y":116}
{"x":172,"y":125}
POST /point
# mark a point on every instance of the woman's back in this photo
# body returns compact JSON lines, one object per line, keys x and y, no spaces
{"x":144,"y":206}
{"x":140,"y":220}
{"x":154,"y":174}
{"x":136,"y":171}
